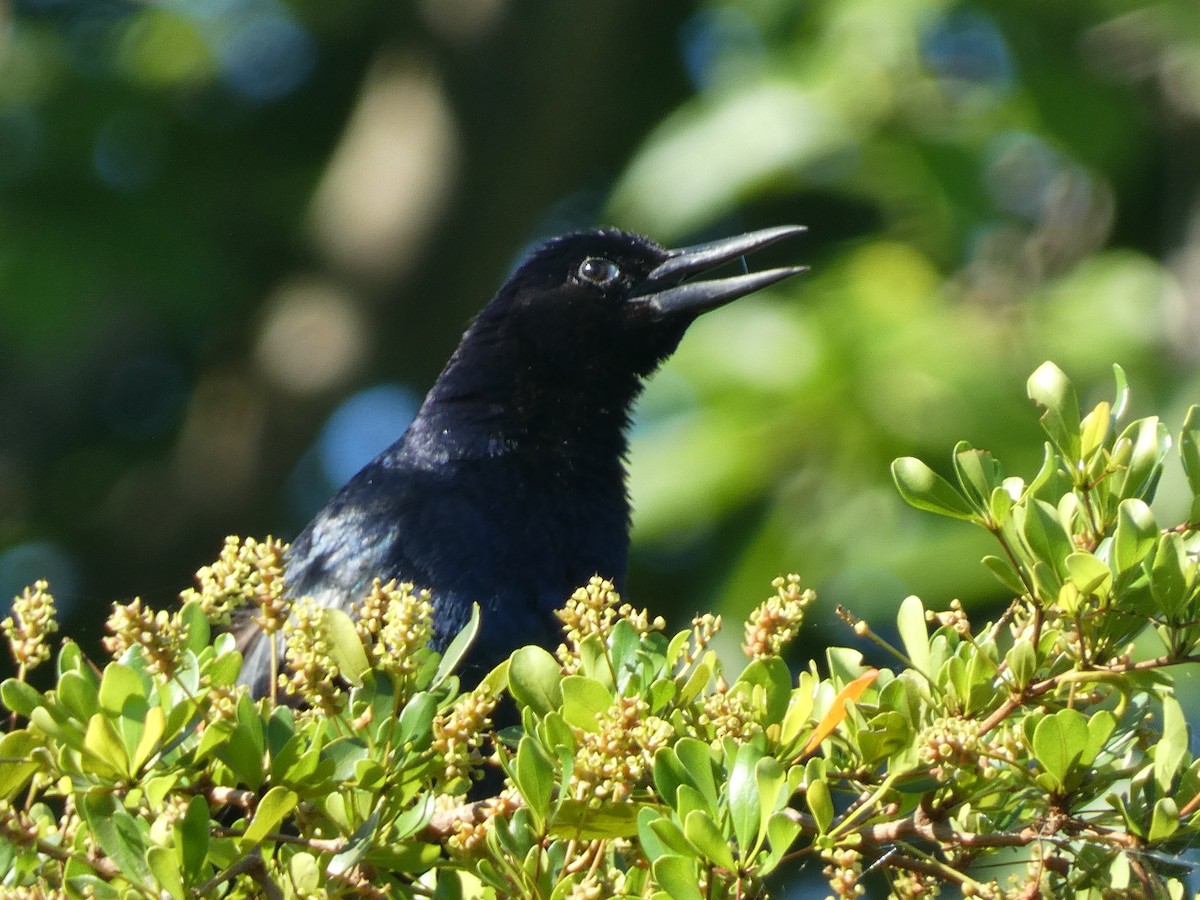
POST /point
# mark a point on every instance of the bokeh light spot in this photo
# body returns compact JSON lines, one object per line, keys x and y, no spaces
{"x":719,"y":44}
{"x":363,"y":427}
{"x":23,"y":564}
{"x":162,"y":48}
{"x":314,"y":337}
{"x":966,"y":46}
{"x":1020,"y":171}
{"x":266,"y":55}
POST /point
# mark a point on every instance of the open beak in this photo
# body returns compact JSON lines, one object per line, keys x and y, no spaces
{"x":668,"y":295}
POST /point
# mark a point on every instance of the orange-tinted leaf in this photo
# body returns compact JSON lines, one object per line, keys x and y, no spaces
{"x":837,"y":711}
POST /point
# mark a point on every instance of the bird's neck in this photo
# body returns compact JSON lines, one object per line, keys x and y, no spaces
{"x":487,"y":405}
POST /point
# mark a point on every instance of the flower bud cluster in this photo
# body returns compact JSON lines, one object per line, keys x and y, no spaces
{"x":599,"y":886}
{"x":618,"y":756}
{"x":908,"y":885}
{"x":396,"y":623}
{"x":160,"y":635}
{"x":844,"y":870}
{"x":955,"y":617}
{"x":470,"y":836}
{"x":313,"y":672}
{"x":31,"y":623}
{"x":777,"y":619}
{"x":728,"y":714}
{"x":246,"y":572}
{"x":704,"y":629}
{"x":956,"y":743}
{"x":593,"y":610}
{"x":459,"y":736}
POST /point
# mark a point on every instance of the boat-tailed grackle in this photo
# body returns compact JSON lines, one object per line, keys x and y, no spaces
{"x":508,"y":488}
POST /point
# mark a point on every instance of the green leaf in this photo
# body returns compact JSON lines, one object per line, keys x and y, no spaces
{"x":345,"y":646}
{"x":702,"y":832}
{"x":910,"y":621}
{"x":1189,"y":455}
{"x":164,"y":866}
{"x":1088,"y":573}
{"x":1022,"y":662}
{"x":243,"y":749}
{"x":1045,"y":536}
{"x":117,"y":833}
{"x":458,"y":647}
{"x":1171,"y":749}
{"x":356,"y":846}
{"x":1139,"y":453}
{"x":276,"y":803}
{"x":1005,"y":574}
{"x":1164,"y":822}
{"x":979,"y":475}
{"x":580,"y":820}
{"x":697,"y":681}
{"x":105,"y":753}
{"x":79,"y":694}
{"x":22,"y":698}
{"x":16,"y":763}
{"x":415,"y":857}
{"x":535,"y":679}
{"x":305,"y":874}
{"x":623,"y":643}
{"x":1094,"y":429}
{"x":771,"y":780}
{"x":191,"y":837}
{"x":671,"y":836}
{"x":584,"y":701}
{"x":1059,"y":741}
{"x":1168,"y":575}
{"x":416,"y":719}
{"x":782,"y":831}
{"x":197,"y":631}
{"x":118,"y":684}
{"x":652,"y":845}
{"x":1050,"y":388}
{"x":1135,"y":535}
{"x":799,"y":711}
{"x":1100,"y":728}
{"x":744,"y":808}
{"x":533,"y":774}
{"x":922,"y":488}
{"x":677,"y":876}
{"x":154,"y":727}
{"x":820,"y":804}
{"x":775,"y":678}
{"x":697,"y":761}
{"x":1001,"y":502}
{"x":1121,"y":396}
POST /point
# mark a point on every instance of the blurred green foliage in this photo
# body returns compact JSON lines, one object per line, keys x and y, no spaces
{"x":195,"y":195}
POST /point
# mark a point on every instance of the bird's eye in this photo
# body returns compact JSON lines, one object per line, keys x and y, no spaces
{"x":598,"y":270}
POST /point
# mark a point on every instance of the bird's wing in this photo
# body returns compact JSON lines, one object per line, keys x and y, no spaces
{"x":354,"y":539}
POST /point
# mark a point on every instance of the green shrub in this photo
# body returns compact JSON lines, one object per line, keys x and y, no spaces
{"x":1043,"y":751}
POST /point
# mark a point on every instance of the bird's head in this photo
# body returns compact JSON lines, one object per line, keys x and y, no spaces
{"x":604,"y":299}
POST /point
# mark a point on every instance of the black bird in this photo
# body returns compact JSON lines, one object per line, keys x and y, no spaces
{"x":508,"y":488}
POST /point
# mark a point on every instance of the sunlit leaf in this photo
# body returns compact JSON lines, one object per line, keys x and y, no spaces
{"x":923,"y":488}
{"x":1050,"y":388}
{"x":535,"y":678}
